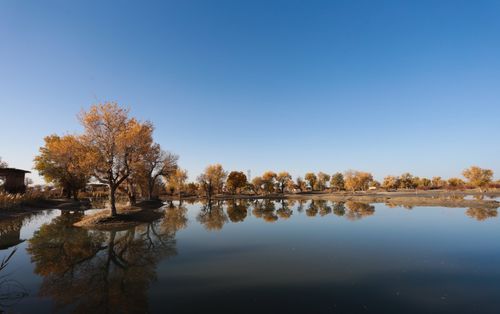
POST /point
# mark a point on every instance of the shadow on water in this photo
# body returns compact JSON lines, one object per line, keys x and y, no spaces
{"x":97,"y":271}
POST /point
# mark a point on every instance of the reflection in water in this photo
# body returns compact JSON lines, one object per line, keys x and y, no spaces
{"x":357,"y":210}
{"x":284,"y":212}
{"x":175,"y":218}
{"x":11,"y":290}
{"x":481,"y":213}
{"x":10,"y":232}
{"x":339,"y":209}
{"x":265,"y":209}
{"x":88,"y":271}
{"x":212,"y":216}
{"x":237,"y":210}
{"x":97,"y":271}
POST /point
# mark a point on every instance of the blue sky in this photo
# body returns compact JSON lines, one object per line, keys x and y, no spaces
{"x":380,"y":86}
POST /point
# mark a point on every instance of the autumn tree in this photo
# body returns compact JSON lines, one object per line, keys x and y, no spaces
{"x":423,"y":183}
{"x":116,"y":142}
{"x":192,"y":188}
{"x":269,"y":182}
{"x":337,"y":182}
{"x":157,"y":163}
{"x":301,"y":184}
{"x":455,"y":183}
{"x":283,"y":180}
{"x":257,"y":184}
{"x":406,"y":181}
{"x":64,"y":161}
{"x":478,"y":177}
{"x":311,"y":179}
{"x":323,"y":178}
{"x":357,"y":180}
{"x":177,"y":180}
{"x":390,"y":183}
{"x":212,"y":180}
{"x":437,"y":182}
{"x":236,"y":180}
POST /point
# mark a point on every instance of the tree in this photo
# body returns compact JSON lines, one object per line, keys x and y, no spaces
{"x":268,"y":179}
{"x":157,"y":163}
{"x":192,"y":188}
{"x":212,"y":180}
{"x":478,"y":177}
{"x":357,"y":180}
{"x":301,"y":184}
{"x":455,"y":183}
{"x":177,"y":180}
{"x":390,"y":183}
{"x":283,"y":180}
{"x":3,"y":164}
{"x":236,"y":181}
{"x":423,"y":183}
{"x":437,"y":182}
{"x":323,"y":178}
{"x":64,"y":161}
{"x":311,"y":179}
{"x":116,"y":143}
{"x":337,"y":182}
{"x":406,"y":181}
{"x":257,"y":183}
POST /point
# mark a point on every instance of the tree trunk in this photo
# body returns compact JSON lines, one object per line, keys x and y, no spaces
{"x":75,"y":194}
{"x":112,"y":200}
{"x":151,"y":187}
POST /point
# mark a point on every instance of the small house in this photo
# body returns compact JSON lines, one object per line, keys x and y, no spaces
{"x":13,"y":180}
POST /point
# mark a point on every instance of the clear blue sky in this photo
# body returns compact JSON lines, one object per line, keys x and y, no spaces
{"x":380,"y":86}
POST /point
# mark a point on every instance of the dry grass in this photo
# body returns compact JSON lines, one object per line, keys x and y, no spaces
{"x":13,"y":201}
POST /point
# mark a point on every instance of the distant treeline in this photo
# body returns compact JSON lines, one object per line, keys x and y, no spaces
{"x":118,"y":152}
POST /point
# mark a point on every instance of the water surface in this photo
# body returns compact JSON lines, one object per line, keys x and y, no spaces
{"x":259,"y":256}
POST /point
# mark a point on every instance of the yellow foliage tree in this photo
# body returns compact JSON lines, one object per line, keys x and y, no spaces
{"x":116,"y":142}
{"x":357,"y":180}
{"x":65,"y":162}
{"x":478,"y":177}
{"x":212,"y":180}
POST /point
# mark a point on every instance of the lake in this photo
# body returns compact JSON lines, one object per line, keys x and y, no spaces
{"x":258,"y":257}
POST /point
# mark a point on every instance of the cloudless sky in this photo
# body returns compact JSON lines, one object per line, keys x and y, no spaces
{"x":380,"y":86}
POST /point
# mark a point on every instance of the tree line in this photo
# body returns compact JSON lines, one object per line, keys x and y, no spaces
{"x":119,"y":151}
{"x":216,"y":180}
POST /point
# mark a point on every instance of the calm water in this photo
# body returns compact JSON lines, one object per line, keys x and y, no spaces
{"x":259,"y":257}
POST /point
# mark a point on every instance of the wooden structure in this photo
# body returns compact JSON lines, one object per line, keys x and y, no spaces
{"x":14,"y":180}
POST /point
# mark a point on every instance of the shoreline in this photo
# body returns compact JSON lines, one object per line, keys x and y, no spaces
{"x":436,"y":198}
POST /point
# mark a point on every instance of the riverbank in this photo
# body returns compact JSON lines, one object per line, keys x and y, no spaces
{"x":442,"y":198}
{"x":28,"y":207}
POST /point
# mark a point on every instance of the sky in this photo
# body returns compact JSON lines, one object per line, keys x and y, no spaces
{"x":379,"y":86}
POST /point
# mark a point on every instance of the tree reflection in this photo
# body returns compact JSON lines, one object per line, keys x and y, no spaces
{"x":237,"y":210}
{"x":339,"y":209}
{"x":212,"y":216}
{"x":285,"y":211}
{"x":324,"y":209}
{"x":97,"y":271}
{"x":265,"y":209}
{"x":312,"y":210}
{"x":175,"y":218}
{"x":481,"y":214}
{"x":358,"y":210}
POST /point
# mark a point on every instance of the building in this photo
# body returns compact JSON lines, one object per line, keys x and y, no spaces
{"x":13,"y":180}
